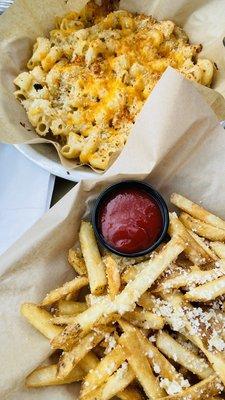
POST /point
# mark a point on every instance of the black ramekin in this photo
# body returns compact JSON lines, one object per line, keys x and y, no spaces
{"x":128,"y":184}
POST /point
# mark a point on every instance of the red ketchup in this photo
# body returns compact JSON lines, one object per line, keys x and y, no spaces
{"x":130,"y":220}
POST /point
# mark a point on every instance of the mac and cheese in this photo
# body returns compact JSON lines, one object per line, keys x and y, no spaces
{"x":88,"y":81}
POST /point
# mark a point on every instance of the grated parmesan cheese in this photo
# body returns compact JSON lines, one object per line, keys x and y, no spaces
{"x":216,"y":342}
{"x":156,"y":368}
{"x":170,"y":387}
{"x":122,"y":370}
{"x":111,"y":343}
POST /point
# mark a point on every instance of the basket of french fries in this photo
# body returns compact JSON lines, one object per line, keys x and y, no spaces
{"x":151,"y":327}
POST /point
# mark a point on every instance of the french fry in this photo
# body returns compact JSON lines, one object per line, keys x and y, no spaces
{"x":125,"y":262}
{"x":63,"y":320}
{"x":129,"y":394}
{"x":167,"y":370}
{"x":69,"y":360}
{"x":115,"y":384}
{"x":91,"y":299}
{"x":76,"y":261}
{"x":131,"y":272}
{"x":106,"y":367}
{"x":221,"y":318}
{"x":204,"y":246}
{"x":216,"y":360}
{"x":92,"y":257}
{"x":140,"y":365}
{"x":90,"y":361}
{"x":66,"y":307}
{"x":202,"y":229}
{"x":208,"y":291}
{"x":196,"y":211}
{"x":196,"y":254}
{"x":219,"y":249}
{"x":203,"y":390}
{"x":187,"y":279}
{"x":144,"y":319}
{"x":186,"y":343}
{"x":113,"y":276}
{"x":72,"y":296}
{"x":124,"y":301}
{"x":84,"y":323}
{"x":47,"y":376}
{"x":147,"y":301}
{"x":108,"y":319}
{"x":173,"y":312}
{"x":173,"y":350}
{"x":61,"y":292}
{"x":40,"y":319}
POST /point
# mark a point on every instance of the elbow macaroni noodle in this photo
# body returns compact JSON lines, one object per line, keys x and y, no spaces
{"x":89,"y":80}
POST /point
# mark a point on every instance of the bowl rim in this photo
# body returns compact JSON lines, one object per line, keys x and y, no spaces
{"x":53,"y":165}
{"x":153,"y":193}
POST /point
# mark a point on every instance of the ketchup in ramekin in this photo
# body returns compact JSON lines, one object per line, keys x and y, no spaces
{"x":130,"y":218}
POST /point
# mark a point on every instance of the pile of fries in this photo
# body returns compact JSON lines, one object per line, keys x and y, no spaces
{"x":135,"y":329}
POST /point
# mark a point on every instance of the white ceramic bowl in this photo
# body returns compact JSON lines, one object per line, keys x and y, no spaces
{"x":46,"y":157}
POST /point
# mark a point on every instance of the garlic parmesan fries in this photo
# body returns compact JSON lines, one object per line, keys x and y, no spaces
{"x":153,"y":329}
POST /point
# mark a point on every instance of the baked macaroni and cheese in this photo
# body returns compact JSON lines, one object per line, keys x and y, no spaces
{"x":88,"y":81}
